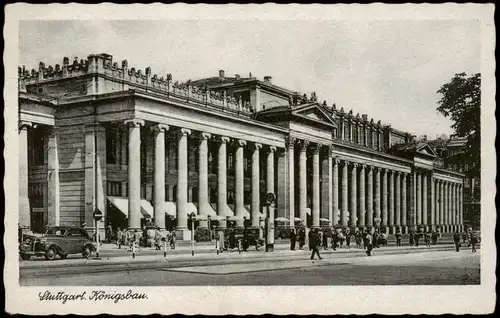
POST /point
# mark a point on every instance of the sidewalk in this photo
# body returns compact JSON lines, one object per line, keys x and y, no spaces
{"x":279,"y":253}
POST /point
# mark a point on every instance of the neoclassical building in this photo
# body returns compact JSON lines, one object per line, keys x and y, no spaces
{"x":96,"y":134}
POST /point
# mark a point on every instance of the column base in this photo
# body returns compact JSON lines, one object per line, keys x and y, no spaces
{"x":183,"y":234}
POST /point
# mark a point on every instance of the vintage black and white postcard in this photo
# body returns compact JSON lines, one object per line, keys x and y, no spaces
{"x":249,"y":159}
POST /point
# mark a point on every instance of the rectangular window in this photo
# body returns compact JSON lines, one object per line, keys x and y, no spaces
{"x":35,"y":194}
{"x":114,"y":188}
{"x":111,"y":146}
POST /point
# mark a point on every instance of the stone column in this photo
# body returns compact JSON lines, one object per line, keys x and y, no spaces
{"x":446,"y":207}
{"x":377,"y":192}
{"x":240,"y":183}
{"x":303,"y":181}
{"x":437,"y":202}
{"x":424,"y":200}
{"x":442,"y":205}
{"x":222,"y":180}
{"x":453,"y":206}
{"x":391,"y":203}
{"x":255,"y":185}
{"x":404,"y":205}
{"x":270,"y":170}
{"x":182,"y":178}
{"x":53,"y":189}
{"x":397,"y":203}
{"x":344,"y":208}
{"x":24,"y":204}
{"x":326,"y":185}
{"x":369,"y":197}
{"x":291,"y":178}
{"x":419,"y":200}
{"x":433,"y":202}
{"x":159,"y":176}
{"x":384,"y":201}
{"x":204,"y":207}
{"x":134,"y":173}
{"x":354,"y":196}
{"x":335,"y":191}
{"x":461,"y":207}
{"x":413,"y":201}
{"x":315,"y":186}
{"x":362,"y":201}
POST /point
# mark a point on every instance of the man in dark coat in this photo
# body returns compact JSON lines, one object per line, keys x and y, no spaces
{"x":412,"y":238}
{"x":398,"y":238}
{"x":348,"y":238}
{"x":473,"y":241}
{"x":293,"y":239}
{"x":314,"y":242}
{"x":302,"y":238}
{"x":456,"y":240}
{"x":335,"y":239}
{"x":325,"y":240}
{"x":369,"y":244}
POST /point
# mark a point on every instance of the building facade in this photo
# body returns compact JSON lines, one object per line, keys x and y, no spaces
{"x":450,"y":151}
{"x":95,"y":134}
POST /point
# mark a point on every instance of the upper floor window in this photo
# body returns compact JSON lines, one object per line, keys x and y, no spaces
{"x":112,"y":146}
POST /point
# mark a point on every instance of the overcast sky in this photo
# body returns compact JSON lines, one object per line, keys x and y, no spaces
{"x":389,"y":70}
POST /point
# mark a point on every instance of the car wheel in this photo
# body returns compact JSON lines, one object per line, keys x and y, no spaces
{"x":25,"y":257}
{"x":86,"y":252}
{"x":50,"y":254}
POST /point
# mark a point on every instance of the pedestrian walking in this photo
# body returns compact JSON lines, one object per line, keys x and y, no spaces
{"x":320,"y":237}
{"x":359,"y":238}
{"x":434,"y":237}
{"x":398,"y":238}
{"x":369,"y":244}
{"x":325,"y":241}
{"x":220,"y":238}
{"x":302,"y":238}
{"x":341,"y":238}
{"x":173,"y":239}
{"x":417,"y":239}
{"x":456,"y":240}
{"x":473,"y":241}
{"x":335,"y":239}
{"x":375,"y":239}
{"x":464,"y":237}
{"x":348,"y":238}
{"x":314,"y":241}
{"x":293,"y":240}
{"x":412,"y":238}
{"x":119,"y":234}
{"x":427,"y":239}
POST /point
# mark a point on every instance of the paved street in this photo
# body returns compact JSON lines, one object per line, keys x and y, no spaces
{"x":438,"y":265}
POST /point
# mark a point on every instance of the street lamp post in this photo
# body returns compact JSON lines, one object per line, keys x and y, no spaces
{"x":192,"y":217}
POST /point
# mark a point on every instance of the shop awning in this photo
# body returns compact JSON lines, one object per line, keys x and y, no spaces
{"x":121,"y":203}
{"x":171,"y":208}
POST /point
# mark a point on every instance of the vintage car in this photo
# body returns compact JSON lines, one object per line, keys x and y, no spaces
{"x":57,"y":240}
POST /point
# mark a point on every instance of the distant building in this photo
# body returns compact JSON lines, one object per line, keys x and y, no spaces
{"x":450,"y":151}
{"x":136,"y":145}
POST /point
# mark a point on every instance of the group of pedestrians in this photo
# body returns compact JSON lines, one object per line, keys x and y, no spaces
{"x":470,"y":237}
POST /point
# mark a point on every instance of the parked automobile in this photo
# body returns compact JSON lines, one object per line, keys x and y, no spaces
{"x":57,"y":240}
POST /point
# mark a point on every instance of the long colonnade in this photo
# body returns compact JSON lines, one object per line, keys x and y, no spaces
{"x":363,"y":196}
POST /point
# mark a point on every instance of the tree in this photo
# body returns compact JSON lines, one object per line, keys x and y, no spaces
{"x":461,"y":100}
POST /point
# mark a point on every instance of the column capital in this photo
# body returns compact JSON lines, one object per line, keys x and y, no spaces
{"x":317,"y":148}
{"x":335,"y":160}
{"x":355,"y":165}
{"x":256,"y":146}
{"x":396,"y":173}
{"x":184,"y":132}
{"x":290,"y":142}
{"x":346,"y":163}
{"x":223,"y":139}
{"x":160,"y":128}
{"x":241,"y":142}
{"x":25,"y":125}
{"x":377,"y":169}
{"x":134,"y":122}
{"x":205,"y":136}
{"x":303,"y":145}
{"x":271,"y":149}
